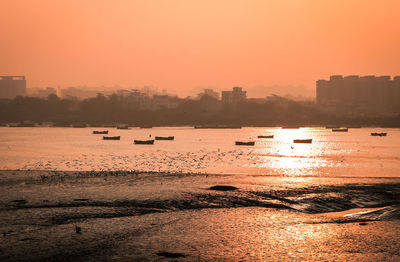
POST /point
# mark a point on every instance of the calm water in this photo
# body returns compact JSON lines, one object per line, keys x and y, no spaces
{"x":332,"y":154}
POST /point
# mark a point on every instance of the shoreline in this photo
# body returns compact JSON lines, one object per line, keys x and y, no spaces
{"x":116,"y":172}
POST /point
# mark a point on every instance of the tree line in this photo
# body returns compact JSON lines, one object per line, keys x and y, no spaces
{"x":115,"y":109}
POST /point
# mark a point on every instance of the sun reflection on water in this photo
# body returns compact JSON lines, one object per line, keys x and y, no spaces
{"x":289,"y":158}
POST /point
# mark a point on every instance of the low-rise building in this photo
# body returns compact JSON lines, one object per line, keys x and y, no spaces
{"x":237,"y":95}
{"x":208,"y":92}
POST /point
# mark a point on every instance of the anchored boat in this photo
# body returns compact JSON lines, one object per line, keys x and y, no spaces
{"x":269,"y":136}
{"x":79,"y":125}
{"x":111,"y":137}
{"x":217,"y":127}
{"x":105,"y":132}
{"x":164,"y":138}
{"x":144,"y":142}
{"x":303,"y":141}
{"x":122,"y":127}
{"x":340,"y":129}
{"x":241,"y":143}
{"x":378,"y":134}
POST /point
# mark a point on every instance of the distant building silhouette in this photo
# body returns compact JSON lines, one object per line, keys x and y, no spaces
{"x":208,"y":92}
{"x":377,"y":94}
{"x":237,"y":95}
{"x":12,"y":86}
{"x":141,"y":99}
{"x":82,"y":92}
{"x":41,"y":92}
{"x":165,"y":102}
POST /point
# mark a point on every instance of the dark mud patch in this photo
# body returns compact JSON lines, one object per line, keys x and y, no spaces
{"x":19,"y":201}
{"x":223,"y":188}
{"x":80,"y":199}
{"x":170,"y":255}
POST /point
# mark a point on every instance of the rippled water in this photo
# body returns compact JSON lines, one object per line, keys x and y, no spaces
{"x":349,"y":154}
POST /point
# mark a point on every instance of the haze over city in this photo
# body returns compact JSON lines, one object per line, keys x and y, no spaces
{"x":183,"y":45}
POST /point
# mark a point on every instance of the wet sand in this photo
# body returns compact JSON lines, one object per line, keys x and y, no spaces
{"x":153,"y":217}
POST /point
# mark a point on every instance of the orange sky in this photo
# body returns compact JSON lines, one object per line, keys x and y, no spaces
{"x":181,"y":44}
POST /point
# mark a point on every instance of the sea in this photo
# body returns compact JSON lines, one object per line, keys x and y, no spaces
{"x":68,"y":195}
{"x":331,"y":154}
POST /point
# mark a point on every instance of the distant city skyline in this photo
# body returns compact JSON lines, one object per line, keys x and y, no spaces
{"x":255,"y":91}
{"x":178,"y":45}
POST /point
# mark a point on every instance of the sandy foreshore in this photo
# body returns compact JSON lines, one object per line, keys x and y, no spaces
{"x":128,"y":216}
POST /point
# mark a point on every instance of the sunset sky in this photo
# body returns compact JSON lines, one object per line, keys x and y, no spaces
{"x":182,"y":45}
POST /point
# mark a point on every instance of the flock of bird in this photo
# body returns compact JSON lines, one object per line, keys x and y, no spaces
{"x":176,"y":158}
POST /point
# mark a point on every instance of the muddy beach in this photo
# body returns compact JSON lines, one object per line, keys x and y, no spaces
{"x":131,"y":216}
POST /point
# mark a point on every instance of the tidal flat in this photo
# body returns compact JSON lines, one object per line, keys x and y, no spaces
{"x":150,"y":216}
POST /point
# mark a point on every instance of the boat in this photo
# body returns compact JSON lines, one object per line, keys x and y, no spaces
{"x":61,"y":125}
{"x":164,"y":138}
{"x":269,"y":136}
{"x":378,"y":134}
{"x":111,"y":137}
{"x":79,"y":125}
{"x":290,"y":127}
{"x":302,"y":141}
{"x":23,"y":124}
{"x":122,"y":127}
{"x":241,"y":143}
{"x":340,"y":129}
{"x":144,"y":142}
{"x":105,"y":132}
{"x":217,"y":127}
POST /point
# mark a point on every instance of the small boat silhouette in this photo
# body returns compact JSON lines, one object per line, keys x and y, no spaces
{"x":105,"y":132}
{"x":164,"y":138}
{"x":241,"y":143}
{"x":217,"y":127}
{"x":378,"y":134}
{"x":340,"y":129}
{"x":79,"y":125}
{"x":269,"y":136}
{"x":111,"y":137}
{"x":144,"y":142}
{"x":303,"y":141}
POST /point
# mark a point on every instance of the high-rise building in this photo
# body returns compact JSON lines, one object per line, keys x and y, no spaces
{"x":377,"y":94}
{"x":12,"y":86}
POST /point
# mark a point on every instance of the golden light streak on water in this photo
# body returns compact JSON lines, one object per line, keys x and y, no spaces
{"x":290,"y":158}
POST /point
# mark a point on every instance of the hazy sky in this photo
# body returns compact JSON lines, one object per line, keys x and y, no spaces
{"x":181,"y":44}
